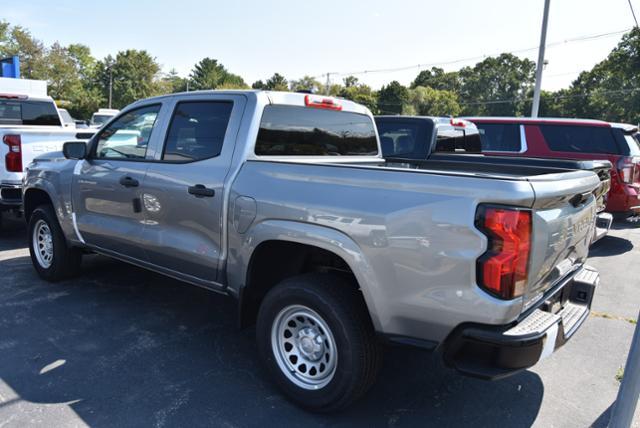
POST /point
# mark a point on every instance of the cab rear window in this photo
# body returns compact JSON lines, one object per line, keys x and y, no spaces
{"x":21,"y":112}
{"x":303,"y":131}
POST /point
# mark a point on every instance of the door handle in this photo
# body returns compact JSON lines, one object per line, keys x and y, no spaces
{"x":199,"y":191}
{"x":129,"y":182}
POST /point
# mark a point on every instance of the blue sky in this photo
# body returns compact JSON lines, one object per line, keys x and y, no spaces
{"x":257,"y":38}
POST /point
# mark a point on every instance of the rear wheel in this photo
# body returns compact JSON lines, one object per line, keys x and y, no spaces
{"x":52,"y":258}
{"x":317,"y":341}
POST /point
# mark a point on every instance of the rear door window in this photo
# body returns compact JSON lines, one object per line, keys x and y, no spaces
{"x":304,"y":131}
{"x":20,"y":112}
{"x":580,"y":139}
{"x":500,"y":137}
{"x":197,"y":130}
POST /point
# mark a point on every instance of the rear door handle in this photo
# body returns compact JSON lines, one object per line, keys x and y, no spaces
{"x":200,"y":191}
{"x":127,"y":181}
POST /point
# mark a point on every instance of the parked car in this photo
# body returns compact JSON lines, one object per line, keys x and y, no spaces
{"x":102,"y":116}
{"x":284,"y":202}
{"x":424,"y":137}
{"x":572,"y":139}
{"x":29,"y":126}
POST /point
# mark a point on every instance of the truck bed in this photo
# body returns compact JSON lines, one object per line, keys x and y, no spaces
{"x":501,"y":165}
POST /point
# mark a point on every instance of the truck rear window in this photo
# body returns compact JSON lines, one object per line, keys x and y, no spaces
{"x":304,"y":131}
{"x":21,"y":112}
{"x":500,"y":137}
{"x":580,"y":139}
{"x":403,"y":139}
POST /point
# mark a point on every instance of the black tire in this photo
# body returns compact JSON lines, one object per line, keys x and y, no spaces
{"x":65,"y":261}
{"x":341,"y":307}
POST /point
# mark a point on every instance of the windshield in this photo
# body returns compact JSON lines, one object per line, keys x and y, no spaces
{"x":100,"y":119}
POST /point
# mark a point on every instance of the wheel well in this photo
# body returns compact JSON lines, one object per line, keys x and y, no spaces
{"x":33,"y":198}
{"x":274,"y":261}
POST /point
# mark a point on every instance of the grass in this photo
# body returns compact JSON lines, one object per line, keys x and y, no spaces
{"x":613,"y":317}
{"x":619,"y":374}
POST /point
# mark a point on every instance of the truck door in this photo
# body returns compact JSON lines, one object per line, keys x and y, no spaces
{"x":183,"y":192}
{"x":106,"y":197}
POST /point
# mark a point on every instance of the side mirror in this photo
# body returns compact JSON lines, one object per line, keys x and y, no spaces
{"x":74,"y":150}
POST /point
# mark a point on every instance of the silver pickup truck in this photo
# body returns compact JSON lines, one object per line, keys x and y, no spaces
{"x":284,"y":202}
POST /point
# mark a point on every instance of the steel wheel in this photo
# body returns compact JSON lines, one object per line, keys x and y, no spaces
{"x":304,"y":347}
{"x":43,"y":244}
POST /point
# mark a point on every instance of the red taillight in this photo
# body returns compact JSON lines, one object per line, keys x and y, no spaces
{"x":628,"y":169}
{"x":13,"y":159}
{"x":459,"y":123}
{"x":503,"y":269}
{"x":322,"y":102}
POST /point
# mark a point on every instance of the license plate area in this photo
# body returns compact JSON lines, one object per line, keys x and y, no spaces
{"x":556,"y":302}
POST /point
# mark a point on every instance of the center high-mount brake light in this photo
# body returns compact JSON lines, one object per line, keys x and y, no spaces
{"x":503,"y":269}
{"x":322,"y":102}
{"x":13,"y":159}
{"x":458,"y":123}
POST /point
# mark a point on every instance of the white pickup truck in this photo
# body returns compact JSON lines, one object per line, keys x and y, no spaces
{"x":29,"y":126}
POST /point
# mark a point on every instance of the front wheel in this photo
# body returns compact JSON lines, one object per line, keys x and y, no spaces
{"x":317,"y":340}
{"x":52,"y":258}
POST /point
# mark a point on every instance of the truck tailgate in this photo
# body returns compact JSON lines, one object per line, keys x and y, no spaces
{"x":564,"y":213}
{"x":35,"y":141}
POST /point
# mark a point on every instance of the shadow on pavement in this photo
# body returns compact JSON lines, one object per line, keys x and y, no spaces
{"x":127,"y":348}
{"x":610,"y":246}
{"x":13,"y":235}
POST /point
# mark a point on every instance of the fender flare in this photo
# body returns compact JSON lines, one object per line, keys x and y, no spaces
{"x":322,"y":237}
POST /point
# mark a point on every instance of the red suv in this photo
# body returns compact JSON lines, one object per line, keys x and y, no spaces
{"x":572,"y":139}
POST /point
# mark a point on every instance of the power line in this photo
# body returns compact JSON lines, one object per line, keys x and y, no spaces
{"x":633,"y":13}
{"x":474,"y":58}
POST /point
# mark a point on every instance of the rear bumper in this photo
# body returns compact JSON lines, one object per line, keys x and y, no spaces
{"x":10,"y":196}
{"x":493,"y":352}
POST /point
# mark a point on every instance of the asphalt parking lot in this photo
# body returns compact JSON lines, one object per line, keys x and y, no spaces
{"x":123,"y":347}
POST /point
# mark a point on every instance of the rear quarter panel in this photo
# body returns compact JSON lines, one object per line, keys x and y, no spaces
{"x":413,"y":233}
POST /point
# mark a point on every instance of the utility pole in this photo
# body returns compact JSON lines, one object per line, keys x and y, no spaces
{"x":627,"y":400}
{"x":110,"y":83}
{"x":326,"y":88}
{"x":540,"y":64}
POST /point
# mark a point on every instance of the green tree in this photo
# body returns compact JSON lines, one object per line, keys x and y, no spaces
{"x":62,"y":76}
{"x":359,"y":93}
{"x":306,"y":83}
{"x":392,"y":98}
{"x":172,"y":82}
{"x":19,"y":41}
{"x":610,"y":91}
{"x":134,"y":76}
{"x":209,"y":74}
{"x":258,"y":84}
{"x":437,"y":78}
{"x":496,"y":86}
{"x":426,"y":101}
{"x":277,"y":82}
